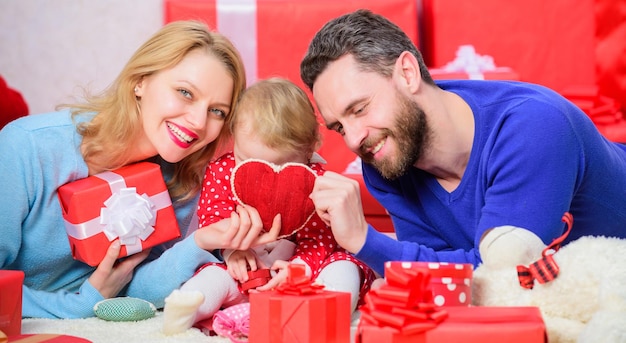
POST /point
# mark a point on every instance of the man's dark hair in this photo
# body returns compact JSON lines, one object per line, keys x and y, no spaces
{"x":373,"y":40}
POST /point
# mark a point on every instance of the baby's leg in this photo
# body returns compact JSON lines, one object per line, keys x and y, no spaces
{"x":199,"y":298}
{"x":342,"y":276}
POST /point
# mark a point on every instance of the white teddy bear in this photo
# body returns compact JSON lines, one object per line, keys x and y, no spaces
{"x":585,"y":302}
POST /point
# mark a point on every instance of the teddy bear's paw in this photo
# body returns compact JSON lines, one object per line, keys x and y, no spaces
{"x":605,"y":327}
{"x":508,"y":246}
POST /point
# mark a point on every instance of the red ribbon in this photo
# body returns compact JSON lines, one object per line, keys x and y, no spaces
{"x":404,"y":304}
{"x":298,"y":283}
{"x":256,"y":278}
{"x":545,"y":269}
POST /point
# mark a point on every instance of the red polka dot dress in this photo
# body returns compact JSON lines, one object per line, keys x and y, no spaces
{"x":315,"y":243}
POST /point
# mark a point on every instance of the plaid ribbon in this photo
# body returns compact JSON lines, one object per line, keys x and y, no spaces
{"x":545,"y":269}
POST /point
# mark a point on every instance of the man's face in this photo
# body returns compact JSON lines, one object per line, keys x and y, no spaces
{"x":385,"y":127}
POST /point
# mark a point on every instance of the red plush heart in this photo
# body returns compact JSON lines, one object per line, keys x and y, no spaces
{"x":273,"y":189}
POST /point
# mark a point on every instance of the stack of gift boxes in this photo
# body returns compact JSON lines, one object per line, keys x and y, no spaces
{"x":418,"y":302}
{"x":551,"y":43}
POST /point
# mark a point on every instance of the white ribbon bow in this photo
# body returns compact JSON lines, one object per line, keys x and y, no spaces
{"x":129,"y":216}
{"x":468,"y":61}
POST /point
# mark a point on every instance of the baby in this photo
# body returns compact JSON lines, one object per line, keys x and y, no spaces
{"x":275,"y":122}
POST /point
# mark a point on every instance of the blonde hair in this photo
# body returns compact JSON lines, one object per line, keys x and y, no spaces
{"x":117,"y":119}
{"x":281,"y":115}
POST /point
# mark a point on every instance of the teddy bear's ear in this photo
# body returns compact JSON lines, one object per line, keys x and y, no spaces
{"x":509,"y":246}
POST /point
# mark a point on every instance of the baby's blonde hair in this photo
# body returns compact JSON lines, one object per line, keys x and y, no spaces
{"x":117,"y":123}
{"x":280,"y":114}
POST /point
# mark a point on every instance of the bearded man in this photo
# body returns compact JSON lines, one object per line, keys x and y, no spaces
{"x":451,"y":160}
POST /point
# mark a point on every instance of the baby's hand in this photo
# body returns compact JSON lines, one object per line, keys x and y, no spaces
{"x":239,"y":262}
{"x":280,"y":277}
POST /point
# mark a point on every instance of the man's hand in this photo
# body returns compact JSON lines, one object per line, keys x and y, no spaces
{"x":337,"y":201}
{"x":111,"y":276}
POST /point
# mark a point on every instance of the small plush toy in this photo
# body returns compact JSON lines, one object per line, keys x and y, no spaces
{"x":124,"y":309}
{"x":273,"y":189}
{"x":579,"y":288}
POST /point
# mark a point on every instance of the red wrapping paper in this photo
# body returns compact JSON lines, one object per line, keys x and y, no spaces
{"x":46,"y":338}
{"x":472,"y":325}
{"x":299,"y":311}
{"x":500,"y":73}
{"x":450,"y":282}
{"x":86,"y":203}
{"x":11,"y":282}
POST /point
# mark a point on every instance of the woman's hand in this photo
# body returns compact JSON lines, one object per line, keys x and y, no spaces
{"x":238,"y":262}
{"x":242,"y":231}
{"x":111,"y":276}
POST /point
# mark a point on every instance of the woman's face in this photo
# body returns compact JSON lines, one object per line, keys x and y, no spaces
{"x":183,"y":108}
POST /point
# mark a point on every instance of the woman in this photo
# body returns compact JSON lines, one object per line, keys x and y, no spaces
{"x":169,"y":105}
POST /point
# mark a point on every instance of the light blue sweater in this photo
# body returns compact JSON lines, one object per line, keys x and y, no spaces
{"x":39,"y":153}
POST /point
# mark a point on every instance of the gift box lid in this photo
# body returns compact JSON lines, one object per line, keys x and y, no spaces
{"x":435,"y":269}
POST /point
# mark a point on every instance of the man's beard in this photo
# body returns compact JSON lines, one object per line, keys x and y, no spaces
{"x":412,"y":136}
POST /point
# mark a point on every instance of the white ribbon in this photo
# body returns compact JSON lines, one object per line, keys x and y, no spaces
{"x":129,"y":216}
{"x":468,"y":61}
{"x":236,"y":19}
{"x":126,"y":215}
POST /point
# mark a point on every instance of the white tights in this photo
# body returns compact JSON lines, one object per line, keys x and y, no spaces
{"x":342,"y":276}
{"x":213,"y":288}
{"x":200,"y":298}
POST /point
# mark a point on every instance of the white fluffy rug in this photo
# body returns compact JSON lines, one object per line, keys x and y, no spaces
{"x":102,"y":331}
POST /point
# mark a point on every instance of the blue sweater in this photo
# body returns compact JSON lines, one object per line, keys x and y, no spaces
{"x":39,"y":153}
{"x":534,"y":157}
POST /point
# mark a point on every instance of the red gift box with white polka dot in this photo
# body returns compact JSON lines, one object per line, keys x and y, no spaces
{"x":450,"y":282}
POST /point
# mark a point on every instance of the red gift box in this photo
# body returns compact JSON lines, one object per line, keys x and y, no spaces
{"x":299,"y":312}
{"x":46,"y":338}
{"x":11,"y":282}
{"x":536,"y":38}
{"x":450,"y":282}
{"x":471,"y":325}
{"x":131,"y":204}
